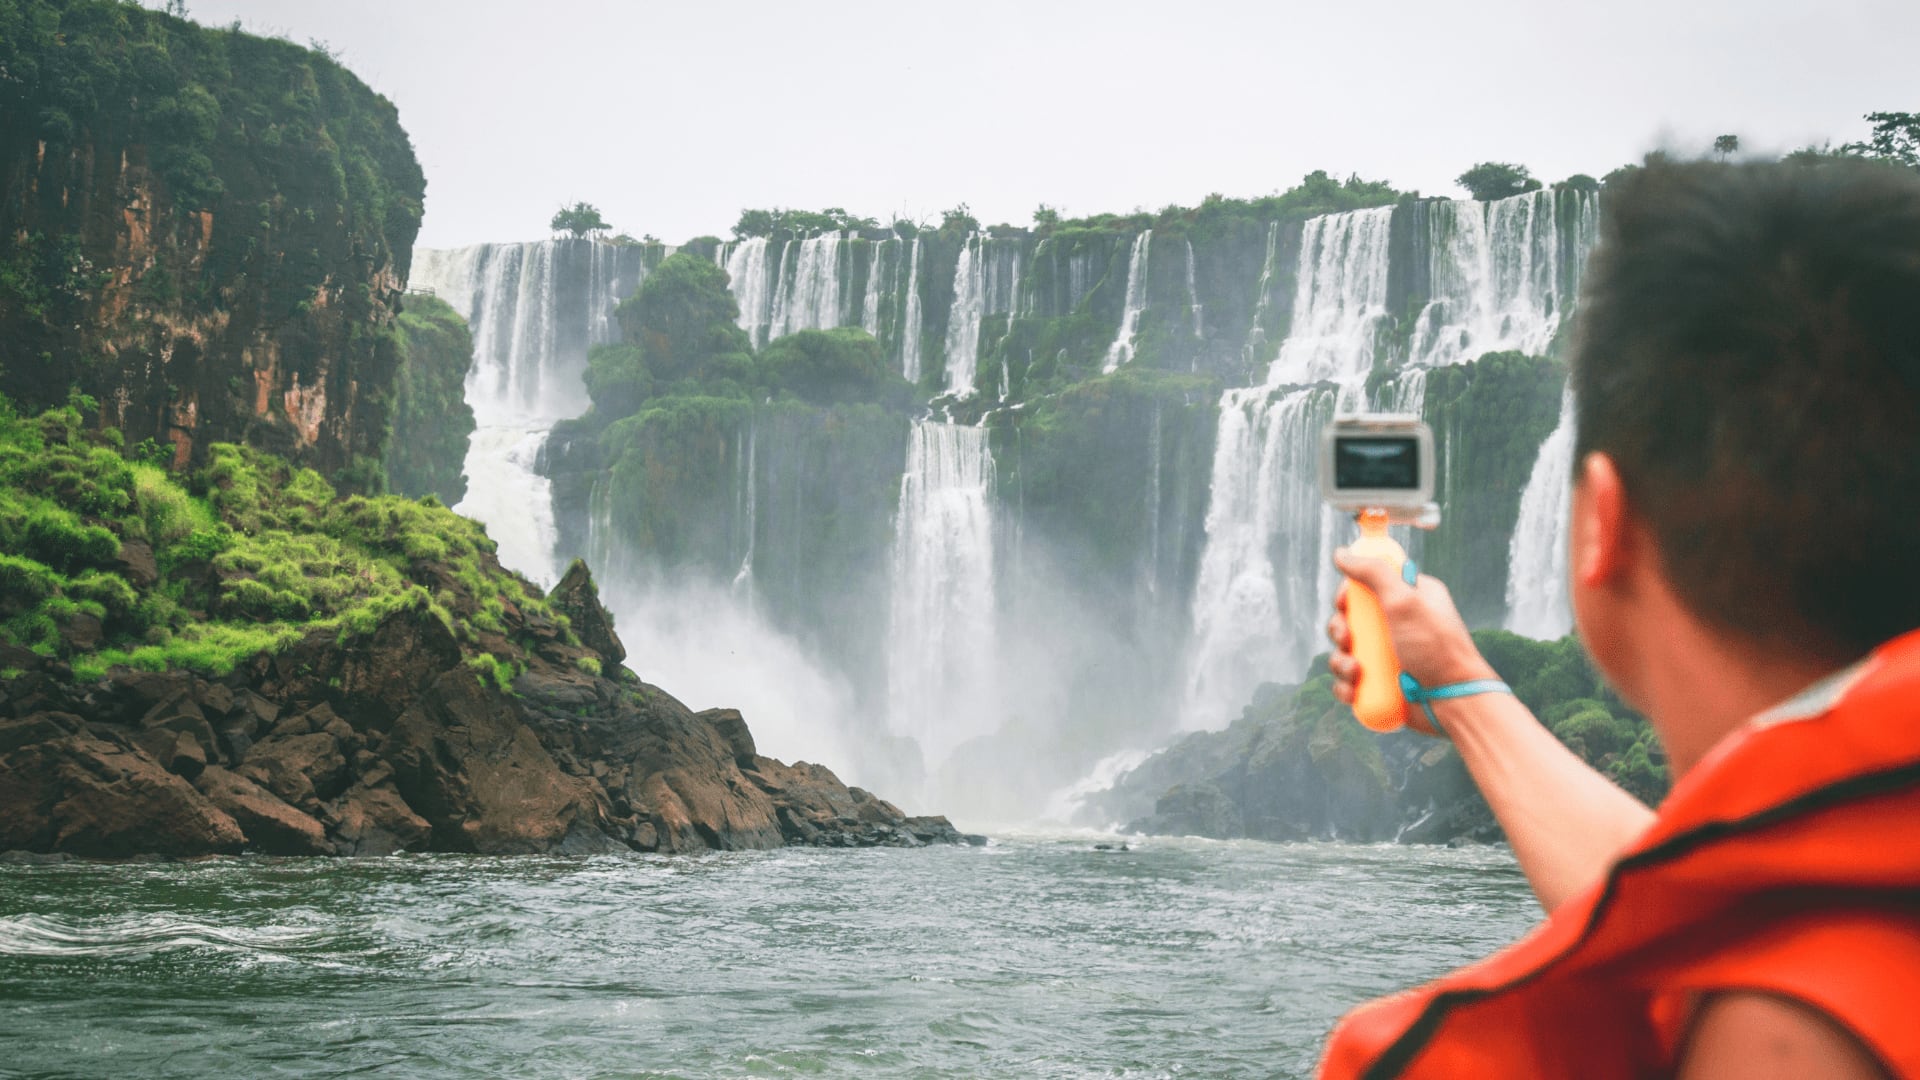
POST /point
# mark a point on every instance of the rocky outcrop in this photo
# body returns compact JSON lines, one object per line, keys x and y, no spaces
{"x":207,"y":231}
{"x":392,"y":742}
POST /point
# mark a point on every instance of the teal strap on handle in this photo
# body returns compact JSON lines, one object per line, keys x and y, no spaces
{"x":1416,"y":694}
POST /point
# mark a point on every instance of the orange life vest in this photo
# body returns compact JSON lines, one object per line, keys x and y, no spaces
{"x":1786,"y":862}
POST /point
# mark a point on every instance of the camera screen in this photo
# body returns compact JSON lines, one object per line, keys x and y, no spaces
{"x":1376,"y":462}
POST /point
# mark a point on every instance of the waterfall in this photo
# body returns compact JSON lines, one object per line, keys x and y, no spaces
{"x":533,"y":309}
{"x":940,"y":665}
{"x":986,"y":281}
{"x":1121,"y":350}
{"x":1503,"y":275}
{"x":882,"y":271}
{"x":747,"y":512}
{"x":1256,"y":331}
{"x":1196,"y":313}
{"x":1537,"y":604}
{"x":963,"y":319}
{"x":748,"y":280}
{"x":808,"y":296}
{"x":1266,"y":577}
{"x":1340,"y":300}
{"x":910,"y":332}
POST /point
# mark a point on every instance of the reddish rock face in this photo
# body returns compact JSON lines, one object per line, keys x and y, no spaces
{"x":253,"y":310}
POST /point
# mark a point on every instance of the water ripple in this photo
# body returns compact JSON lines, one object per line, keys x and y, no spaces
{"x":145,"y":935}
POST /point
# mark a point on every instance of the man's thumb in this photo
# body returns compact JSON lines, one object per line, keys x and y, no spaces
{"x":1375,"y":574}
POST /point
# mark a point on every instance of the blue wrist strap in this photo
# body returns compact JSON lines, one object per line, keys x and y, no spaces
{"x":1416,"y":694}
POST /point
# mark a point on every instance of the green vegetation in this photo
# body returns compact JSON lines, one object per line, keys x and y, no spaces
{"x":431,"y":420}
{"x":209,"y":100}
{"x":1080,"y":463}
{"x":798,"y":224}
{"x":251,"y":555}
{"x":1558,"y":682}
{"x":826,"y":366}
{"x":1492,"y":180}
{"x":1895,"y":139}
{"x":580,"y":219}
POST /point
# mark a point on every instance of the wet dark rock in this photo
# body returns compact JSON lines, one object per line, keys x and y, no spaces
{"x":270,"y":825}
{"x":86,"y":796}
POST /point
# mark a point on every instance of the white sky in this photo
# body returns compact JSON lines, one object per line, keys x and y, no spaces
{"x":672,"y":116}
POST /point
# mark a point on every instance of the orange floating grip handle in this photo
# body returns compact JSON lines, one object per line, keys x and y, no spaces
{"x":1377,"y":700}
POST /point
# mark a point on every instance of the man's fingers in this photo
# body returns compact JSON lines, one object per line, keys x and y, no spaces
{"x":1375,"y":574}
{"x":1338,"y":633}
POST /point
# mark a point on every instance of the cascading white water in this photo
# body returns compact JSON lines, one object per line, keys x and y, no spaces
{"x":986,"y":281}
{"x":1537,"y":603}
{"x":1121,"y":350}
{"x":911,"y":325}
{"x":1265,"y":573}
{"x":963,"y":319}
{"x":533,"y":309}
{"x":882,"y":271}
{"x":1498,"y":273}
{"x":748,"y":512}
{"x":808,"y":294}
{"x":1195,"y":310}
{"x":750,"y":282}
{"x":1340,"y":300}
{"x":941,"y":687}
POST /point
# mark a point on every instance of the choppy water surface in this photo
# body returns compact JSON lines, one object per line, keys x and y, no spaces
{"x":1037,"y":956}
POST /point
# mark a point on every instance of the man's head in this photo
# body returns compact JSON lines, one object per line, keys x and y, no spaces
{"x":1747,"y":361}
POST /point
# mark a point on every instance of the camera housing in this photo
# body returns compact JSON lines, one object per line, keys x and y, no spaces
{"x":1380,"y":461}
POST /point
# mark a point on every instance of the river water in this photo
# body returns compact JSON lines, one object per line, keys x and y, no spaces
{"x":1036,"y":956}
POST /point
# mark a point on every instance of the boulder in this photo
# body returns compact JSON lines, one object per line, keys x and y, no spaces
{"x":82,"y":795}
{"x":464,"y":760}
{"x":302,"y":769}
{"x":579,"y":601}
{"x":176,"y":751}
{"x":271,"y":826}
{"x":1196,"y":809}
{"x":135,"y":563}
{"x":732,"y":728}
{"x":372,"y":819}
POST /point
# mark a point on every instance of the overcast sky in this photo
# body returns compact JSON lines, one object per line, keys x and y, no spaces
{"x":672,"y":116}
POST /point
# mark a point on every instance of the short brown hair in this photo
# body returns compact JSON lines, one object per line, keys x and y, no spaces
{"x":1748,"y":352}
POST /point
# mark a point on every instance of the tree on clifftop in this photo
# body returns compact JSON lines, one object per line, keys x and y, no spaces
{"x":1491,"y":180}
{"x":580,"y":219}
{"x":1895,"y":138}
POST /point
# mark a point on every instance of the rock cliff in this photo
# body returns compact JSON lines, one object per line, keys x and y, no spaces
{"x":206,"y":231}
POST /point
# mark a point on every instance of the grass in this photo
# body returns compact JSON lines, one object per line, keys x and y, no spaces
{"x":252,"y":554}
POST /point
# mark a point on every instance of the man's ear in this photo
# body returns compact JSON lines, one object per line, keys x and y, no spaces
{"x":1600,"y":532}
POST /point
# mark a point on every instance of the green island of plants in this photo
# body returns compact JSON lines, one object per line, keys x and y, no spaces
{"x":108,"y":560}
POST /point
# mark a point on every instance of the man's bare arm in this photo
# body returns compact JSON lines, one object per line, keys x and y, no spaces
{"x":1751,"y":1036}
{"x":1566,"y":822}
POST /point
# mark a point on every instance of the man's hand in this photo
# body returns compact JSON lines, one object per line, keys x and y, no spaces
{"x":1429,"y":636}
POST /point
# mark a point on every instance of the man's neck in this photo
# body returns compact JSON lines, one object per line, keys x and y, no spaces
{"x":1705,"y":685}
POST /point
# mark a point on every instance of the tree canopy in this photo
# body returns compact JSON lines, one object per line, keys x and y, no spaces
{"x":580,"y":219}
{"x":1491,"y":180}
{"x":796,"y":224}
{"x":1895,"y":138}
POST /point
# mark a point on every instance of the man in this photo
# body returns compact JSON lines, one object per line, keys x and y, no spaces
{"x":1745,"y":570}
